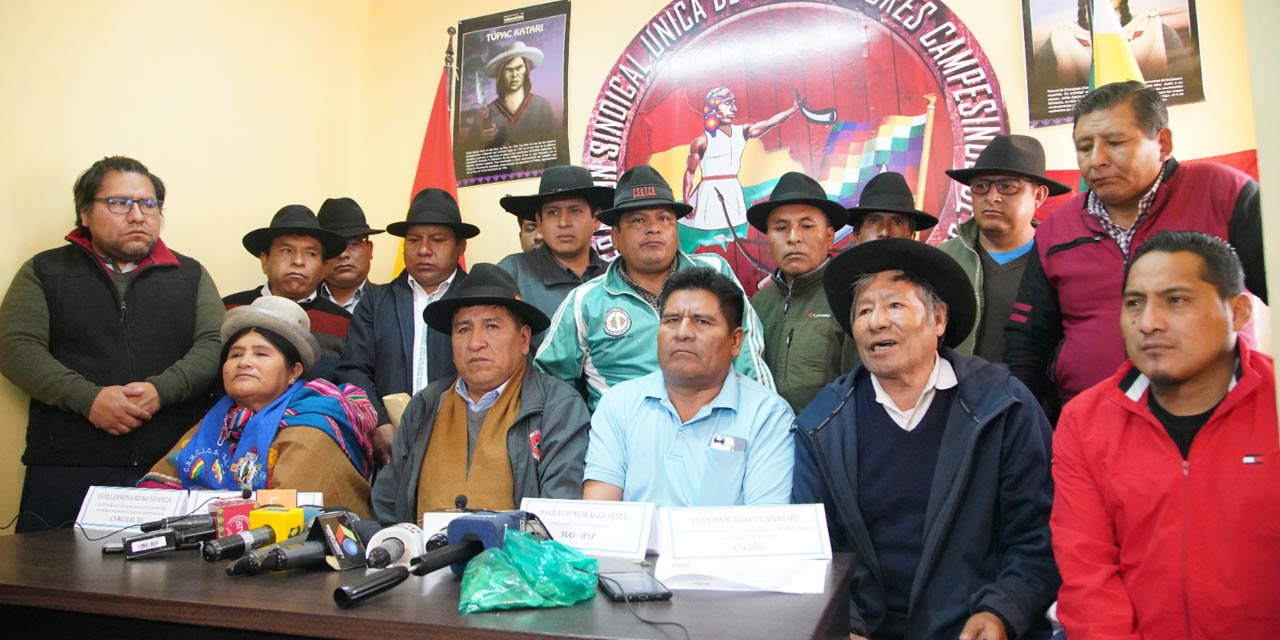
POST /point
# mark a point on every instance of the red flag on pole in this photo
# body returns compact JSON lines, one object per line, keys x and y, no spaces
{"x":435,"y":162}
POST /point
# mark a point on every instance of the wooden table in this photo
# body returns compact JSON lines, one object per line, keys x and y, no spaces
{"x":57,"y":584}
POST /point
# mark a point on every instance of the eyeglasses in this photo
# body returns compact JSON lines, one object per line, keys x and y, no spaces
{"x":1005,"y":187}
{"x":122,"y":206}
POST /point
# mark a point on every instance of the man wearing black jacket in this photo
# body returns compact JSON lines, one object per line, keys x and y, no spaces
{"x":389,"y":348}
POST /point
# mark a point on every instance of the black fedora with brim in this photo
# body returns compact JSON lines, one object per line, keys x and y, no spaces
{"x":796,"y":188}
{"x":559,"y":183}
{"x":889,"y":192}
{"x":921,"y":259}
{"x":1013,"y":155}
{"x":485,"y":284}
{"x":642,"y":187}
{"x":434,"y":206}
{"x":294,"y":220}
{"x":345,"y":218}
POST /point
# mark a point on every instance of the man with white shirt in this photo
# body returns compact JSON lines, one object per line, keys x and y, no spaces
{"x":933,"y":466}
{"x":389,"y":348}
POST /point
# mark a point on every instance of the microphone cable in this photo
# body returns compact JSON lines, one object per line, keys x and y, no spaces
{"x":638,"y":616}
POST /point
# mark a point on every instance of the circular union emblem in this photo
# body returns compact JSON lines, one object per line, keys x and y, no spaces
{"x":616,"y":322}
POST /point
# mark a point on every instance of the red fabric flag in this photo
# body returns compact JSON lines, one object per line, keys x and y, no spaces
{"x":435,"y":163}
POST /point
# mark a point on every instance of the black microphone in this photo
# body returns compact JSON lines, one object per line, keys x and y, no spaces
{"x":193,"y":520}
{"x":312,"y":549}
{"x":168,"y":539}
{"x":371,"y":585}
{"x":235,"y":545}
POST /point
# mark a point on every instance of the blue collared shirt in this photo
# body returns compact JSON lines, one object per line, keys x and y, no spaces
{"x":485,"y":400}
{"x":736,"y":450}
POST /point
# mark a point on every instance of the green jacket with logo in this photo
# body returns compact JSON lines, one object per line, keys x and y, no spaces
{"x":804,"y":345}
{"x":605,"y":333}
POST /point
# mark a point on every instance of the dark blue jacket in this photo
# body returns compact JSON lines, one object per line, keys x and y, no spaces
{"x":986,"y":537}
{"x":378,"y":356}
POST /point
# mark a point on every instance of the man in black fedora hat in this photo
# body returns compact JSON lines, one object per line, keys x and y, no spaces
{"x":886,"y":209}
{"x":293,"y":250}
{"x":498,"y":432}
{"x":604,"y":331}
{"x":933,"y":466}
{"x":389,"y":350}
{"x":347,"y":276}
{"x":1008,"y":185}
{"x":565,"y":209}
{"x":803,"y":344}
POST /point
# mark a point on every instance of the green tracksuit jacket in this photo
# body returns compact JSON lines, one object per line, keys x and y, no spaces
{"x":605,"y":333}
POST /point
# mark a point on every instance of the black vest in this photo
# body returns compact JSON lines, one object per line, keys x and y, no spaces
{"x":111,"y":341}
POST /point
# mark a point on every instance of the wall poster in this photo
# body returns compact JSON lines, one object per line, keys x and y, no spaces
{"x":1161,"y":33}
{"x":511,"y":94}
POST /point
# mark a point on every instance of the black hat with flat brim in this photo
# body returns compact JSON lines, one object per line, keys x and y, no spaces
{"x":920,"y":259}
{"x":642,"y":187}
{"x":797,"y":188}
{"x":345,"y":218}
{"x":294,"y":220}
{"x":889,"y":192}
{"x":1013,"y":155}
{"x":437,"y":207}
{"x":559,"y":183}
{"x":485,"y":284}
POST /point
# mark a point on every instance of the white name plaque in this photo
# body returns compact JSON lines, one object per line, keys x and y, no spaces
{"x":776,"y":548}
{"x":117,"y":508}
{"x":596,"y":527}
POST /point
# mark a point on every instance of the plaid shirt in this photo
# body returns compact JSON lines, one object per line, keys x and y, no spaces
{"x":1123,"y":236}
{"x":644,"y":293}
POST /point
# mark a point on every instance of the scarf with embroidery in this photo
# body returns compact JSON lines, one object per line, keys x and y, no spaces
{"x":232,"y":447}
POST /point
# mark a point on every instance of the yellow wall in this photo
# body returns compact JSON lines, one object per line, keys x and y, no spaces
{"x":243,"y":106}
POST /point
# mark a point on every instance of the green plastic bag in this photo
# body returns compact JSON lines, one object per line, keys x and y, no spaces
{"x":527,"y":573}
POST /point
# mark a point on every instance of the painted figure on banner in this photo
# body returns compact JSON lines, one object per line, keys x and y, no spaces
{"x":717,"y":153}
{"x":727,"y":107}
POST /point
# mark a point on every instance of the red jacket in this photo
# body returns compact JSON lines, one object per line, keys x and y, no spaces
{"x":1150,"y":546}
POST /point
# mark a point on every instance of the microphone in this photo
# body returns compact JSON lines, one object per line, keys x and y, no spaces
{"x":390,"y":545}
{"x":468,"y":535}
{"x":251,"y":563}
{"x":333,"y":539}
{"x":167,"y":539}
{"x":235,"y":545}
{"x":193,"y":520}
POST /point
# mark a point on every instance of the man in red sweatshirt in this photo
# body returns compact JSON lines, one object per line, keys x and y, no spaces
{"x":1166,"y":515}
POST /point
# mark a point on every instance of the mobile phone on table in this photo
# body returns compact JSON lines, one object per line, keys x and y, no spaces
{"x":636,"y":586}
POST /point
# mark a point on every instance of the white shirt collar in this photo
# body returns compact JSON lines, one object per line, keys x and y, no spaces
{"x":421,"y":299}
{"x":440,"y":290}
{"x":266,"y":291}
{"x":942,"y":377}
